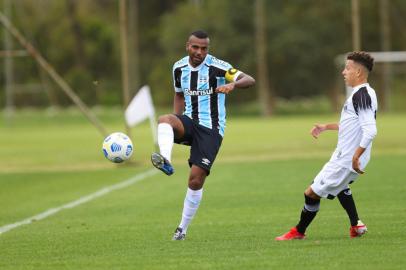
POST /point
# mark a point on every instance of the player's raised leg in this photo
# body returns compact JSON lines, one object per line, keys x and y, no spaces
{"x":192,"y":200}
{"x":310,"y":209}
{"x":167,"y":126}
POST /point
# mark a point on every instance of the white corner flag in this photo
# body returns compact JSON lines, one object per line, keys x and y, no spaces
{"x":141,"y":108}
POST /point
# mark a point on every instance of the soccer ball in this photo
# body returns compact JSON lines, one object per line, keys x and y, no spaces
{"x":117,"y":147}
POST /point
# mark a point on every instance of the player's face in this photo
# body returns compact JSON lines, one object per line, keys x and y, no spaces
{"x":351,"y":73}
{"x":197,"y":49}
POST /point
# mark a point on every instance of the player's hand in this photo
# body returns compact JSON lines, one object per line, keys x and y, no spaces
{"x":225,"y":89}
{"x":317,"y":129}
{"x":356,"y":165}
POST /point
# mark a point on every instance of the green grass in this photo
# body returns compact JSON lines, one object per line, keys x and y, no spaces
{"x":255,"y":192}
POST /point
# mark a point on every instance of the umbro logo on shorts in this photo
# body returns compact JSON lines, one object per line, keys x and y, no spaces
{"x":205,"y":161}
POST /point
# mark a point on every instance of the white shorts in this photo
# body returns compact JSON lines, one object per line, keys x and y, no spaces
{"x":331,"y":180}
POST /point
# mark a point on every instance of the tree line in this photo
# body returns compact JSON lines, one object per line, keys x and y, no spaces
{"x":290,"y":44}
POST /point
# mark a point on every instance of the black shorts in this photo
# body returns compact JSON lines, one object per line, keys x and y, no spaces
{"x":205,"y":143}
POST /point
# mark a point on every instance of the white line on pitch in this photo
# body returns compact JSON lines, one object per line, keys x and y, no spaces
{"x":80,"y":201}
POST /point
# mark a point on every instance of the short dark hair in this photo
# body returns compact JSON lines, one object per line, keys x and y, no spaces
{"x":199,"y":34}
{"x":362,"y":58}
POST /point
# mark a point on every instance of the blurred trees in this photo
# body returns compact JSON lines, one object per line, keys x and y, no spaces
{"x":82,"y":48}
{"x":81,"y":39}
{"x":265,"y":92}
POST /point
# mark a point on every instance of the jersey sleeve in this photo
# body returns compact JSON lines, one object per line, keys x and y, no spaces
{"x":368,"y":126}
{"x":366,"y":107}
{"x":225,"y":69}
{"x":176,"y":73}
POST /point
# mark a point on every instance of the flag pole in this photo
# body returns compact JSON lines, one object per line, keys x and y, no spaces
{"x":140,"y":108}
{"x":154,"y":131}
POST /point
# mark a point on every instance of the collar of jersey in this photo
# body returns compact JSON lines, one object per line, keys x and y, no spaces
{"x":356,"y":88}
{"x":199,"y":66}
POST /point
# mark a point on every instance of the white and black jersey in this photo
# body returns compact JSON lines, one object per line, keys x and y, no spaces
{"x":357,"y":126}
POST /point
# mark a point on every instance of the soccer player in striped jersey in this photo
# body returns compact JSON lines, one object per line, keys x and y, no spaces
{"x":201,"y":83}
{"x":356,"y":130}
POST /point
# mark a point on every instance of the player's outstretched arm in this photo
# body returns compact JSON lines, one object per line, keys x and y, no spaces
{"x":319,"y":128}
{"x":243,"y":81}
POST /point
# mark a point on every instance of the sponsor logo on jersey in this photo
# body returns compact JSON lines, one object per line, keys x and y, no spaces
{"x":219,"y":62}
{"x":181,"y":62}
{"x":202,"y":92}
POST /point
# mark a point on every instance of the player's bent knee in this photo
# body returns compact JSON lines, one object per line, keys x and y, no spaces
{"x":310,"y":193}
{"x":172,"y":120}
{"x":196,"y":183}
{"x":164,"y":119}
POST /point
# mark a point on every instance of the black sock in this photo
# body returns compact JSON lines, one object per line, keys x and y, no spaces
{"x":347,"y":201}
{"x":307,"y":216}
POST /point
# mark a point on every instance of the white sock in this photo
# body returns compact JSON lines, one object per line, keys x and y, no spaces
{"x":190,"y":206}
{"x":165,"y":140}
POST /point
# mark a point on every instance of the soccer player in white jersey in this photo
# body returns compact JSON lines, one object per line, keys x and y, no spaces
{"x":201,"y":83}
{"x":356,"y":130}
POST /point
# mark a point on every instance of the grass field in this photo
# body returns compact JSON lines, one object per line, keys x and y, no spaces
{"x":255,"y":192}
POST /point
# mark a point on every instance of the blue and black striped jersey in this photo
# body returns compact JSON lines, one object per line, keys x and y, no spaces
{"x":202,"y":103}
